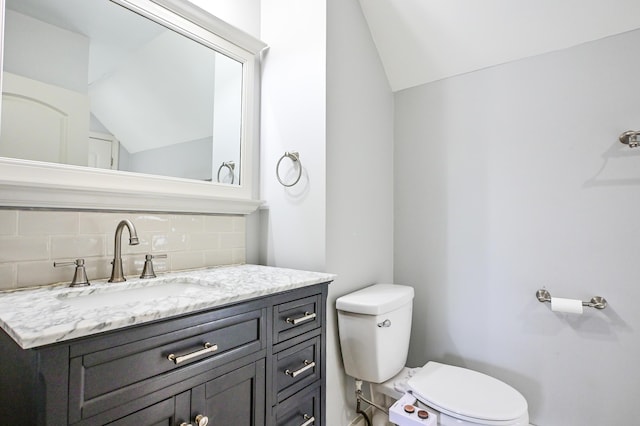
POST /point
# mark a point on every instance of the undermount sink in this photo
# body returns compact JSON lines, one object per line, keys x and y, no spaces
{"x":127,"y":295}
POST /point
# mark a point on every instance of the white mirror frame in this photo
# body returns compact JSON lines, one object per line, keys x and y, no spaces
{"x":33,"y":184}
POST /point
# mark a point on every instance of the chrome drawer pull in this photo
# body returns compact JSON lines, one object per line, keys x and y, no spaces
{"x":307,"y":316}
{"x":208,"y":348}
{"x":307,"y":365}
{"x":309,"y":420}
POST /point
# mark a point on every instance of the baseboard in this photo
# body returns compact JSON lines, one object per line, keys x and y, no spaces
{"x":360,"y":421}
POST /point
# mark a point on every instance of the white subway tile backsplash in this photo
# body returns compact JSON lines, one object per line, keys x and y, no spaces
{"x":187,"y":223}
{"x":98,"y":223}
{"x":39,"y":273}
{"x":8,"y":222}
{"x":97,"y":268}
{"x":48,"y":223}
{"x":238,"y":255}
{"x":208,"y":241}
{"x":8,"y":276}
{"x":232,"y":239}
{"x":219,"y":223}
{"x":16,"y":249}
{"x":180,"y":261}
{"x":218,"y":257}
{"x":151,"y":223}
{"x":143,"y":247}
{"x":83,"y":246}
{"x":30,"y":241}
{"x":169,"y":242}
{"x":239,"y":224}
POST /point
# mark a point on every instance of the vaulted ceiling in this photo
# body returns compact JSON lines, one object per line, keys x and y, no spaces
{"x":420,"y":41}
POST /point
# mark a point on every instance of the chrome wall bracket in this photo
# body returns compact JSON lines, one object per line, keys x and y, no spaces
{"x":597,"y":302}
{"x":631,"y":138}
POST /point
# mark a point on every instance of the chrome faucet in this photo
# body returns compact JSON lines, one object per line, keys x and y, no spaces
{"x":116,"y":271}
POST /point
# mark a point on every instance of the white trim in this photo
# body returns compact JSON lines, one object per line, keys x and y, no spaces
{"x":214,"y":24}
{"x":35,"y":184}
{"x":25,"y":183}
{"x":115,"y":146}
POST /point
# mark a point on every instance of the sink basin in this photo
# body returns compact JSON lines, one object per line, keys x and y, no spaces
{"x":129,"y":295}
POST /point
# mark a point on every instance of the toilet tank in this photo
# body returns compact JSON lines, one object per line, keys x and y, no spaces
{"x":374,"y":325}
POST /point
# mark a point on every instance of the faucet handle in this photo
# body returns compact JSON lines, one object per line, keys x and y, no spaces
{"x":147,"y":270}
{"x":80,"y":276}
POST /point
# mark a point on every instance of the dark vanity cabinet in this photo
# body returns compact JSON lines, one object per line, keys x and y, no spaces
{"x":258,"y":362}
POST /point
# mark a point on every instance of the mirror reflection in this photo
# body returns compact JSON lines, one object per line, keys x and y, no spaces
{"x":95,"y":84}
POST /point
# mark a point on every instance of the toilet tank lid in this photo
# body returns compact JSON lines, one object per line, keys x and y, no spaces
{"x":376,"y":299}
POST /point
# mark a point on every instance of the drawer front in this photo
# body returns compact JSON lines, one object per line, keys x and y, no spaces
{"x":297,"y":317}
{"x":104,"y":379}
{"x":297,"y":367}
{"x":301,"y":409}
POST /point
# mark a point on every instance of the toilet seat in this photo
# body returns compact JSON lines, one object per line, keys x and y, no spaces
{"x":467,"y":395}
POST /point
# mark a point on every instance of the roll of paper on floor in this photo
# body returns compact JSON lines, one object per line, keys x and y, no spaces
{"x":572,"y":306}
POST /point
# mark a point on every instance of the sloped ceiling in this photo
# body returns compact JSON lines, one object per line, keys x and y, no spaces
{"x":420,"y":41}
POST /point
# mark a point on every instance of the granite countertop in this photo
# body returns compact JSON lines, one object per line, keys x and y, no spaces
{"x":41,"y":316}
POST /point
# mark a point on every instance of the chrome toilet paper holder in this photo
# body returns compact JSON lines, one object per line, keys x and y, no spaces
{"x":595,"y":302}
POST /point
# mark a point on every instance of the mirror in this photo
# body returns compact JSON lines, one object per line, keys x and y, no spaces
{"x":138,"y":100}
{"x":93,"y":84}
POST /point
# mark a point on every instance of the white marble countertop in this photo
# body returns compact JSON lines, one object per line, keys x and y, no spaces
{"x":44,"y":315}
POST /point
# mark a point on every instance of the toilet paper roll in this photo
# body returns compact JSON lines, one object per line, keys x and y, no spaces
{"x":571,"y":306}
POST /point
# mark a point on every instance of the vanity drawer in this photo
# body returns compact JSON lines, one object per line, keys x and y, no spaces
{"x":296,"y":367}
{"x":110,"y":377}
{"x":297,"y":317}
{"x":301,"y":409}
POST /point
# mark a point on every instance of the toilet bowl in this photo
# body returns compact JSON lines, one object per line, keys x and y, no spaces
{"x":374,"y":324}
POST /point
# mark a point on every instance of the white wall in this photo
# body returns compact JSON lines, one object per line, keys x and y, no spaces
{"x":189,"y":160}
{"x":227,"y":119}
{"x":511,"y":179}
{"x":359,"y":204}
{"x":245,"y":15}
{"x":339,"y":217}
{"x":46,"y":53}
{"x":293,"y":119}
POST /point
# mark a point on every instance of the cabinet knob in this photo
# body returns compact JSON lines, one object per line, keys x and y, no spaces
{"x":185,"y":424}
{"x":202,"y":420}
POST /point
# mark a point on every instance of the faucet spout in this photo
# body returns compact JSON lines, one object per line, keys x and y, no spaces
{"x":117,"y":275}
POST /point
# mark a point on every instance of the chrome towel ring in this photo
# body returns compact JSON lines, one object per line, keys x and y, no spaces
{"x":294,"y":156}
{"x":231,"y":165}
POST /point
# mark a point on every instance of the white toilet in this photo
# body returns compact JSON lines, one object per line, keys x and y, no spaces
{"x":375,"y":324}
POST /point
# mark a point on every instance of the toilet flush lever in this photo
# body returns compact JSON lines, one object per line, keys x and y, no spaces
{"x":385,"y":324}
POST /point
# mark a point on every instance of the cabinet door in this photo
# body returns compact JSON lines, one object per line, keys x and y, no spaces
{"x":170,"y":412}
{"x":236,"y":398}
